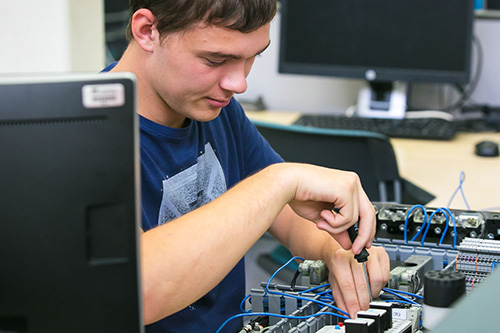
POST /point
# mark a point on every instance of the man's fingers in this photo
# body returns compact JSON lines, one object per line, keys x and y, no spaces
{"x":337,"y":295}
{"x":367,"y":225}
{"x":378,"y":269}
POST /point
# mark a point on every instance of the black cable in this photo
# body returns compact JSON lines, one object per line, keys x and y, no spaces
{"x":467,"y":92}
{"x":294,"y":280}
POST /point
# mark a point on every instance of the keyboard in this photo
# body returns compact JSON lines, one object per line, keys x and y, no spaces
{"x":414,"y":128}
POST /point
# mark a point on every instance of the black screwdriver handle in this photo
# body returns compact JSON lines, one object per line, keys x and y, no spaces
{"x":363,"y":255}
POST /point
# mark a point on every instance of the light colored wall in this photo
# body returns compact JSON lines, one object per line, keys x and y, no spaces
{"x":310,"y":94}
{"x":51,"y":36}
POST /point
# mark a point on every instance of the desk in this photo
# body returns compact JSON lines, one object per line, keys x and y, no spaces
{"x":435,"y":166}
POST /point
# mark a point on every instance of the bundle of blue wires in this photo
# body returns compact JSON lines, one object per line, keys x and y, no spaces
{"x":326,"y":295}
{"x":427,"y":223}
{"x":400,"y":293}
{"x":320,"y":302}
{"x":444,"y":210}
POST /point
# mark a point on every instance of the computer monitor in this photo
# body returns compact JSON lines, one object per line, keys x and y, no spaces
{"x":69,"y":204}
{"x":386,"y":42}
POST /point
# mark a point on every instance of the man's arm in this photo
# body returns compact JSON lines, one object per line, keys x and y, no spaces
{"x":347,"y":280}
{"x":184,"y":259}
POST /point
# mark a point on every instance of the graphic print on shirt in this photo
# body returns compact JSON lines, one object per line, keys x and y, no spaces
{"x":193,"y":187}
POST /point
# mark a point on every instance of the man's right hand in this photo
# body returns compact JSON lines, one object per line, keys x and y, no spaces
{"x":318,"y":190}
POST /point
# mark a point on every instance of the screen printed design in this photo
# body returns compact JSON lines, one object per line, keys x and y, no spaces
{"x":193,"y":187}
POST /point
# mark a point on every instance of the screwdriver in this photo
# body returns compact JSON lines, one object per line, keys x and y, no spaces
{"x":362,"y":257}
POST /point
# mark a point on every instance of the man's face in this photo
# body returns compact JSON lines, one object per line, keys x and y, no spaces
{"x":196,"y":72}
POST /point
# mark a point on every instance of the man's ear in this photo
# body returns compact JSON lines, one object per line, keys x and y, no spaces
{"x":144,"y":29}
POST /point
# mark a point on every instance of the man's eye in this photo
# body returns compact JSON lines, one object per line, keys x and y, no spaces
{"x":214,"y":63}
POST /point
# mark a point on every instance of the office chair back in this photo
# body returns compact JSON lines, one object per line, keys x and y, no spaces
{"x":369,"y":154}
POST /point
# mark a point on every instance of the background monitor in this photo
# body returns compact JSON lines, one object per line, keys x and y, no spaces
{"x":69,"y":205}
{"x":383,"y":41}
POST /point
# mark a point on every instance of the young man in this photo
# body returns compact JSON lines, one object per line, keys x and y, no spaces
{"x":190,"y":58}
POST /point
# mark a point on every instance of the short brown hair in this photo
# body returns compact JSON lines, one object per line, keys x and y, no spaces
{"x":175,"y":15}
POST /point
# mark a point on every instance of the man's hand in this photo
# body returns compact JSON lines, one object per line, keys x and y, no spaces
{"x":348,"y":282}
{"x":319,"y":190}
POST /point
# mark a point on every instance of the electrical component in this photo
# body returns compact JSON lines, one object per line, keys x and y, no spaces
{"x":360,"y":325}
{"x":409,"y":278}
{"x":441,"y":290}
{"x":397,"y":222}
{"x":476,"y":259}
{"x":313,"y":272}
{"x":422,"y":239}
{"x":408,"y":313}
{"x":379,"y":317}
{"x":256,"y":325}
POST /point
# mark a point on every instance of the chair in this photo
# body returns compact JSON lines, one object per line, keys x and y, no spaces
{"x":369,"y":154}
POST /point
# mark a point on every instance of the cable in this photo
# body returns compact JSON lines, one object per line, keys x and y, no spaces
{"x":279,"y":269}
{"x":243,"y":303}
{"x":403,"y":292}
{"x":400,"y":296}
{"x":315,"y":288}
{"x":466,"y":93}
{"x":439,"y":210}
{"x":249,"y":313}
{"x":307,"y":299}
{"x":406,"y":221}
{"x":460,"y":184}
{"x":454,"y":228}
{"x":298,"y":297}
{"x":279,"y":316}
{"x":294,"y":279}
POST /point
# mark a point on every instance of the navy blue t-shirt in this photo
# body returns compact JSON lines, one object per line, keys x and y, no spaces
{"x":183,"y":169}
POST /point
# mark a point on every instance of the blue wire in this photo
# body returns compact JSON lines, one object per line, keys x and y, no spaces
{"x":400,"y":296}
{"x":404,"y":293}
{"x":439,"y":210}
{"x":307,"y":299}
{"x":317,"y":314}
{"x":297,"y":297}
{"x":447,"y":226}
{"x":315,"y":288}
{"x":243,"y":303}
{"x":279,"y":269}
{"x":423,"y":225}
{"x":462,"y":179}
{"x":454,"y":227}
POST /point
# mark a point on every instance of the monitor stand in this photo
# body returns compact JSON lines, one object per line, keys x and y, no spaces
{"x":383,"y":100}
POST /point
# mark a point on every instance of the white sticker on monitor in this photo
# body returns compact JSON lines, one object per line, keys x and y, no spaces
{"x":103,"y":95}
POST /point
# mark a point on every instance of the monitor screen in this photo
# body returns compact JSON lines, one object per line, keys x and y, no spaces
{"x":69,"y":204}
{"x":383,"y":40}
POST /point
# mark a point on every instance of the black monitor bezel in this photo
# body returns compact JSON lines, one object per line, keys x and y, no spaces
{"x":383,"y":74}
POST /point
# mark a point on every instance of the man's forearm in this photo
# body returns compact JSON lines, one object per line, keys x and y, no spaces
{"x":193,"y":253}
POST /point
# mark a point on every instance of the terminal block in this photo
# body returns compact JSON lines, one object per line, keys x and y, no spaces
{"x":477,"y":259}
{"x":396,"y":222}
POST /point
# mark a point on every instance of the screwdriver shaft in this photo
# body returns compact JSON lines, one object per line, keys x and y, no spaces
{"x":367,"y":282}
